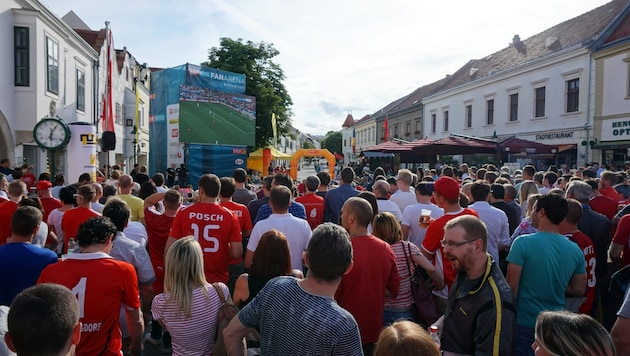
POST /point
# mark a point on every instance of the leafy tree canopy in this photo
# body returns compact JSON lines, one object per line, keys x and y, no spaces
{"x":332,"y":141}
{"x":263,"y":80}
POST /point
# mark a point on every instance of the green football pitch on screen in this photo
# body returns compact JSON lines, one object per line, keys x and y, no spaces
{"x":215,"y":123}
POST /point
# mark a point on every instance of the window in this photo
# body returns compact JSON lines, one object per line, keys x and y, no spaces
{"x":345,"y":143}
{"x":418,"y":126}
{"x":445,"y":119}
{"x":52,"y":65}
{"x":490,"y":112}
{"x":433,"y":123}
{"x":407,"y":129}
{"x":573,"y":95}
{"x":539,"y":94}
{"x":119,"y":114}
{"x":514,"y":107}
{"x":80,"y":90}
{"x":396,"y":131}
{"x":468,"y":123}
{"x":21,"y":59}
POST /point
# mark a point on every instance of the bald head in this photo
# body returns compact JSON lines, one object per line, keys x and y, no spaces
{"x":125,"y":183}
{"x":380,"y":188}
{"x":361,"y":209}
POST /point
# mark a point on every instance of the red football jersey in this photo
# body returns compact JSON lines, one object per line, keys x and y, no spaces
{"x":314,"y":205}
{"x":102,"y":285}
{"x":6,"y":212}
{"x":244,"y":220}
{"x":49,"y":204}
{"x":158,"y":229}
{"x":214,"y":227}
{"x":586,"y":245}
{"x":71,"y":221}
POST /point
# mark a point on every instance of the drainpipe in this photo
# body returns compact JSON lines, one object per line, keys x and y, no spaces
{"x":588,"y":109}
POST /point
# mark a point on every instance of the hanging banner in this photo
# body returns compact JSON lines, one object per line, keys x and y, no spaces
{"x":175,"y":148}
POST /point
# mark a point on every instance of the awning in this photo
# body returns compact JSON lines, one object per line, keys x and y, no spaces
{"x":517,"y":145}
{"x":275,"y":154}
{"x":375,"y":154}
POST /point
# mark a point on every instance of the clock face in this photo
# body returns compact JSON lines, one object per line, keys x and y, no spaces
{"x":51,"y":134}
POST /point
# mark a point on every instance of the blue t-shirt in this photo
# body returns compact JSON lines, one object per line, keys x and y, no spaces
{"x":549,"y":261}
{"x":20,"y":266}
{"x":294,"y":322}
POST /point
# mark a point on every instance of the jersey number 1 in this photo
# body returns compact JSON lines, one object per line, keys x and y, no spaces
{"x":79,"y":291}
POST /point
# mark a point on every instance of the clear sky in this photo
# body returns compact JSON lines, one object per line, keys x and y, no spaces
{"x":339,"y":56}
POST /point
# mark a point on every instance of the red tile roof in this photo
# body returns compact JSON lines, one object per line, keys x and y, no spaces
{"x":349,"y":122}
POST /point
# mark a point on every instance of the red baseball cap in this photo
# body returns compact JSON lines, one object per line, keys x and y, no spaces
{"x":43,"y":185}
{"x":447,"y":187}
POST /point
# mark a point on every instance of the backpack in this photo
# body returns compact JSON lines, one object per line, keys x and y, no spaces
{"x":226,"y":313}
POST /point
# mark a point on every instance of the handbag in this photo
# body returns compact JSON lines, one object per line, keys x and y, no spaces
{"x":424,"y":305}
{"x":227,"y":312}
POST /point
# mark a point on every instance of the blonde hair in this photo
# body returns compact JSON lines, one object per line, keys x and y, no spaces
{"x":567,"y":333}
{"x":530,"y":204}
{"x":405,"y":338}
{"x":386,"y":227}
{"x":184,"y":273}
{"x":527,"y":188}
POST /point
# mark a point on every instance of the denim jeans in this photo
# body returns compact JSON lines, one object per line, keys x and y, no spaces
{"x":392,"y":315}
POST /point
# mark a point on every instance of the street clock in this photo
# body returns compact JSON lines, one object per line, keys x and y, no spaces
{"x":51,"y":133}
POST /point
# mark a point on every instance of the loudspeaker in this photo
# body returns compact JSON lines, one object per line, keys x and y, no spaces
{"x":108,"y":141}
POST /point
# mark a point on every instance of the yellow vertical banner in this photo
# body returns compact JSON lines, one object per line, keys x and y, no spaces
{"x":274,"y":127}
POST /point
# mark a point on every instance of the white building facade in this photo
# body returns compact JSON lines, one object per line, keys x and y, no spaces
{"x":48,"y":71}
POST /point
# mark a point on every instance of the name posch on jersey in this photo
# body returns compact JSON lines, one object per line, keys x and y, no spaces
{"x":205,"y":217}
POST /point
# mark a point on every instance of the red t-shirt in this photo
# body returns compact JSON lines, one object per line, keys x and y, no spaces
{"x":431,"y":243}
{"x":314,"y":205}
{"x":612,"y":194}
{"x":604,"y":205}
{"x":158,"y":229}
{"x":362,"y":290}
{"x":49,"y":204}
{"x":6,"y":213}
{"x":244,"y":220}
{"x":586,"y":245}
{"x":71,"y":221}
{"x":621,"y":238}
{"x":215,"y":227}
{"x":101,"y":284}
{"x":29,"y":179}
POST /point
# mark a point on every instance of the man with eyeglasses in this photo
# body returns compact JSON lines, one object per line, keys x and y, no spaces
{"x":481,"y":317}
{"x":543,"y":269}
{"x":74,"y":217}
{"x":446,"y":194}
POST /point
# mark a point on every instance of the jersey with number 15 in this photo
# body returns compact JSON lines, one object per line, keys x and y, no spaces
{"x":102,"y":285}
{"x":214,"y":227}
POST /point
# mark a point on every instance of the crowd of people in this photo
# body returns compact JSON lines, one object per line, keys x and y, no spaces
{"x":518,"y":262}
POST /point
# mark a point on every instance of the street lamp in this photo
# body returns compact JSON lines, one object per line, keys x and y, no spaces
{"x":134,"y":132}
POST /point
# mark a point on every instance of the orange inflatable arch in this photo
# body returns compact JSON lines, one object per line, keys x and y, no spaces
{"x":305,"y":152}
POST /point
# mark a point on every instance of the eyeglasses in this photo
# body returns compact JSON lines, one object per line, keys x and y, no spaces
{"x":445,"y":243}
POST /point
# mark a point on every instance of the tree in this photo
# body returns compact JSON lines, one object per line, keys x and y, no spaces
{"x":263,"y":80}
{"x":332,"y":141}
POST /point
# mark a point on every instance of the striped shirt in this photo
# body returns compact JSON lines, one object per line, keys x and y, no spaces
{"x":295,"y":322}
{"x":404,"y":298}
{"x":195,"y":335}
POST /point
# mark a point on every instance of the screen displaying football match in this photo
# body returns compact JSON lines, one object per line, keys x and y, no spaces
{"x":215,"y":117}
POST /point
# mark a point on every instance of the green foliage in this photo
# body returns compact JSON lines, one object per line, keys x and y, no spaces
{"x":332,"y":141}
{"x":263,"y":80}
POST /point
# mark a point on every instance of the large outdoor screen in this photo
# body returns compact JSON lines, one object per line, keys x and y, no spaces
{"x":215,"y":117}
